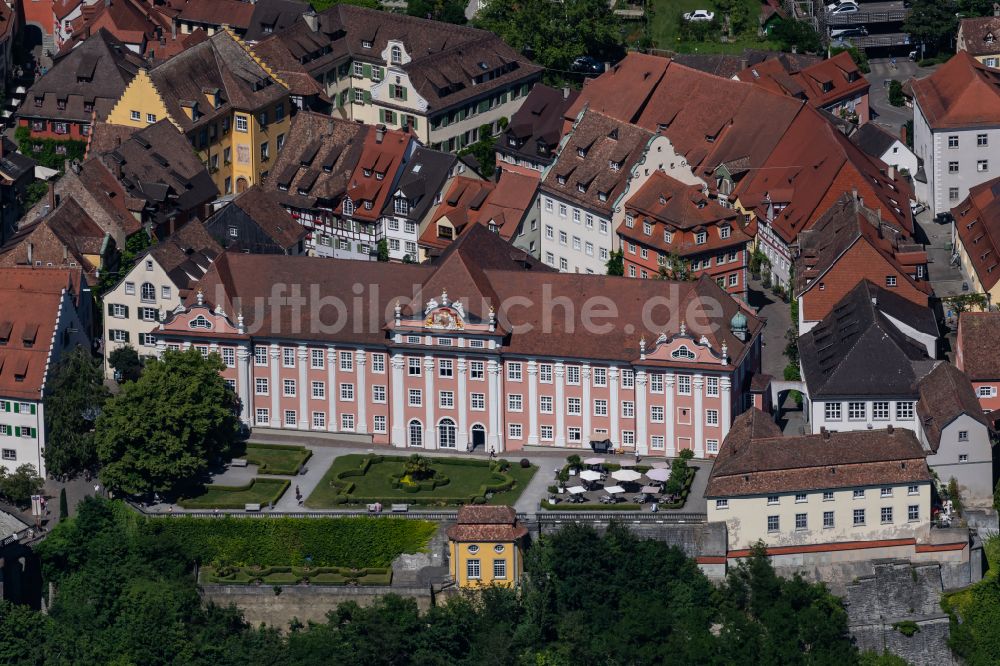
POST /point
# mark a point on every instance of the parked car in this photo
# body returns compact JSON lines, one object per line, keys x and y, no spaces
{"x":699,"y":15}
{"x":858,"y":31}
{"x":916,"y":208}
{"x":843,"y":8}
{"x":587,"y":65}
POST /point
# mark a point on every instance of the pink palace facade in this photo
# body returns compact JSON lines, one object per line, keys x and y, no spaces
{"x":437,"y":356}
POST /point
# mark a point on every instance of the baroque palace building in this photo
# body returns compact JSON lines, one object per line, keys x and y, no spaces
{"x":485,"y":347}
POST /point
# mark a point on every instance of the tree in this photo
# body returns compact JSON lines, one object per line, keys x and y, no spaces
{"x":616,"y":263}
{"x":449,"y":11}
{"x":135,"y":245}
{"x":674,"y":267}
{"x":63,"y":505}
{"x":484,"y":151}
{"x":126,"y":363}
{"x":797,"y":35}
{"x":896,"y":93}
{"x":19,"y":486}
{"x":382,"y":250}
{"x":74,"y":400}
{"x":931,"y":23}
{"x":163,"y":430}
{"x":678,"y":475}
{"x":554,"y":33}
{"x":418,"y":468}
{"x":22,"y":634}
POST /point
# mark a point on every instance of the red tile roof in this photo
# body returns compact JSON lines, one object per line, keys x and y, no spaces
{"x":979,"y":36}
{"x":756,"y":461}
{"x":822,"y":84}
{"x":978,"y":342}
{"x":961,"y":93}
{"x":381,"y":158}
{"x":977,"y":222}
{"x":486,"y":523}
{"x":32,"y":303}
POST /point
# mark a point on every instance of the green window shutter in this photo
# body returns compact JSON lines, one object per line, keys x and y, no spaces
{"x":32,"y":408}
{"x":413,"y":122}
{"x":381,"y":72}
{"x":366,"y":70}
{"x":402,"y":93}
{"x":367,"y":97}
{"x":17,"y":431}
{"x":126,"y":312}
{"x":17,"y":408}
{"x":381,"y":115}
{"x":34,"y":432}
{"x":484,"y":106}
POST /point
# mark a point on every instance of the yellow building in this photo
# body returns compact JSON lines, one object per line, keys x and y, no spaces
{"x":229,"y":104}
{"x":486,"y":547}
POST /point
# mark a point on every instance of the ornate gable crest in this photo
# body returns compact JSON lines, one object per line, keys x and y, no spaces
{"x":444,"y":315}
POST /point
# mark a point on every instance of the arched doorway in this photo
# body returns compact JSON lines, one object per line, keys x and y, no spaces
{"x":241,"y":185}
{"x":446,"y":434}
{"x":415,"y":435}
{"x":478,"y":436}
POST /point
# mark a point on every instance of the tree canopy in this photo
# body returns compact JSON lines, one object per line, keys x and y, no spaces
{"x":931,"y":22}
{"x":126,"y":362}
{"x":163,"y":430}
{"x":797,"y":35}
{"x":554,"y":33}
{"x":75,"y":398}
{"x":449,"y":11}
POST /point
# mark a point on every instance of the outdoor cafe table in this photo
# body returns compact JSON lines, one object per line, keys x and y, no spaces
{"x":593,"y":461}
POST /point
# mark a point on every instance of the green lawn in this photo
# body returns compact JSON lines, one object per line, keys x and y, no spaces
{"x":664,"y":16}
{"x":276,"y":458}
{"x":259,"y":491}
{"x":467,"y":478}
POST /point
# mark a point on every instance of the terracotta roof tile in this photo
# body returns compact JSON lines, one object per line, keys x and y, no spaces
{"x":960,"y":93}
{"x":979,"y":342}
{"x":980,"y":36}
{"x":945,"y":394}
{"x":977,"y":222}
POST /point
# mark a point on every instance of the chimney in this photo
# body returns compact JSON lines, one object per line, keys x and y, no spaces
{"x":52,"y":197}
{"x":566,"y":92}
{"x":379,"y":133}
{"x":173,"y":29}
{"x":902,"y":134}
{"x":312,"y":19}
{"x":31,"y":253}
{"x":889,"y":429}
{"x":891,"y":172}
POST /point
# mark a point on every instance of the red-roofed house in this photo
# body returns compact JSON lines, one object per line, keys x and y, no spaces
{"x":956,"y":123}
{"x":976,"y":355}
{"x":666,"y":220}
{"x":39,"y":322}
{"x":976,"y":236}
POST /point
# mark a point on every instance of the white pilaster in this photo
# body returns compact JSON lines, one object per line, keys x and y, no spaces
{"x":361,"y":391}
{"x":641,"y":413}
{"x":587,"y":407}
{"x":430,"y":400}
{"x":725,"y":415}
{"x":397,"y":397}
{"x":243,"y":382}
{"x":532,"y":403}
{"x":462,"y":437}
{"x":670,"y":417}
{"x":494,"y":437}
{"x":614,"y":406}
{"x":698,"y":386}
{"x":276,"y":388}
{"x":332,"y":392}
{"x":305,"y":390}
{"x":560,"y":406}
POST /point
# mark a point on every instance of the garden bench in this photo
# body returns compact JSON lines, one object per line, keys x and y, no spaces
{"x":251,"y":506}
{"x":400,"y":508}
{"x":238,"y":462}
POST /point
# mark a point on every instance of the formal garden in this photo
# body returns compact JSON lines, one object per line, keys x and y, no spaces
{"x":276,"y":459}
{"x":261,"y":490}
{"x":593,"y":484}
{"x":420,"y":480}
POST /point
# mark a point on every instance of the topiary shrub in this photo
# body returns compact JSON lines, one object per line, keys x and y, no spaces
{"x":525,"y":463}
{"x":479,"y":499}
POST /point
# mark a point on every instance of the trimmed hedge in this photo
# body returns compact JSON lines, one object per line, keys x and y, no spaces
{"x":258,"y":491}
{"x":295,"y":458}
{"x":288,"y":575}
{"x":239,"y":542}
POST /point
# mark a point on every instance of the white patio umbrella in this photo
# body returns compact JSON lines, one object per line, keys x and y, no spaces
{"x":593,"y":461}
{"x":576,"y":490}
{"x":659,"y":464}
{"x":658,"y":474}
{"x":649,"y":490}
{"x":590,"y":475}
{"x":626,"y":475}
{"x":614,"y":490}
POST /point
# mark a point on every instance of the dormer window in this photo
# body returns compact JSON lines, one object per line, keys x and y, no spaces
{"x":348,"y":207}
{"x":580,"y":187}
{"x":61,"y":103}
{"x":614,"y":166}
{"x":39,"y":99}
{"x":368,"y":173}
{"x":647,"y":228}
{"x":368,"y":205}
{"x":827,"y":86}
{"x":561,"y":180}
{"x":668,"y":237}
{"x":396,"y":55}
{"x":700,"y":238}
{"x":379,"y":175}
{"x":366,"y":44}
{"x":989,"y":38}
{"x":581,"y":152}
{"x":629,"y":220}
{"x":603,"y":196}
{"x":684,"y":353}
{"x":724,"y":231}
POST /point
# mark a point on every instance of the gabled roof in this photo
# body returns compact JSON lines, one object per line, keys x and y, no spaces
{"x":85,"y":81}
{"x":66,"y":235}
{"x":822,"y":83}
{"x":263,"y":209}
{"x":980,"y":35}
{"x":610,"y":149}
{"x":960,"y":93}
{"x":423,"y":177}
{"x":220,"y":63}
{"x":856,"y":351}
{"x":32,"y":303}
{"x":186,"y":255}
{"x":158,"y":166}
{"x":314,"y":168}
{"x":486,"y":523}
{"x":845,"y":223}
{"x":382,"y":156}
{"x":945,"y":394}
{"x":215,"y":13}
{"x":270,"y":16}
{"x":979,"y":342}
{"x":977,"y":223}
{"x":538,"y":123}
{"x":873,"y":140}
{"x":752,"y":464}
